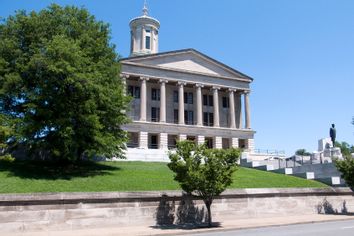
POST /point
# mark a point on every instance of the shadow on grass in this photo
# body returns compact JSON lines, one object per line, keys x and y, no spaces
{"x":48,"y":170}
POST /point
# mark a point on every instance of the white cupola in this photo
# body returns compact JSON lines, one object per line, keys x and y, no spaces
{"x":144,"y":34}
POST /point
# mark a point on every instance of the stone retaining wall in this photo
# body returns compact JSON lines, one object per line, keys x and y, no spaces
{"x":32,"y":212}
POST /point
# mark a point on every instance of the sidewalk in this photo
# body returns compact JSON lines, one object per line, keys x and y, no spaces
{"x":225,"y":225}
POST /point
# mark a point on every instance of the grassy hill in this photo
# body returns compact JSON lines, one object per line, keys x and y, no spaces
{"x":27,"y":177}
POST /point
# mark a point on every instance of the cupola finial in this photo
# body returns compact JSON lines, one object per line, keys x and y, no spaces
{"x":145,"y":9}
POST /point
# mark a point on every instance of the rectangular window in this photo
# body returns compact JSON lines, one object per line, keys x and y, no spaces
{"x":211,"y":119}
{"x":134,"y":91}
{"x":175,"y":96}
{"x":188,"y":98}
{"x":175,"y":116}
{"x":207,"y":100}
{"x":137,"y":92}
{"x":208,"y":119}
{"x":155,"y":114}
{"x":190,"y":118}
{"x":147,"y":42}
{"x":155,"y":94}
{"x":130,"y":90}
{"x":225,"y":102}
{"x":211,"y":101}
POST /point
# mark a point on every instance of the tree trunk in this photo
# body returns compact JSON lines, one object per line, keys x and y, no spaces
{"x":208,"y":203}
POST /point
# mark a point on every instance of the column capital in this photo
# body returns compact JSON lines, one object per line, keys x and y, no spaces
{"x":180,"y":83}
{"x":215,"y":88}
{"x":199,"y":85}
{"x":125,"y":76}
{"x":165,"y":81}
{"x":232,"y":90}
{"x":144,"y":78}
{"x":246,"y":92}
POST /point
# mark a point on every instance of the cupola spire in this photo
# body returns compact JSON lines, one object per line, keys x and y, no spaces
{"x":145,"y":9}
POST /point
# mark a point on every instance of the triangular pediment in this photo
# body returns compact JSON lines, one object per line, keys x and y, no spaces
{"x":188,"y":60}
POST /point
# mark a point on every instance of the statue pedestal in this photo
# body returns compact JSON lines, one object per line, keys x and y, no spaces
{"x":336,"y":153}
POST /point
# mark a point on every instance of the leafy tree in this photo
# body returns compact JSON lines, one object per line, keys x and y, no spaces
{"x":345,"y":148}
{"x":205,"y":172}
{"x":346,"y":166}
{"x":59,"y":78}
{"x":302,"y":152}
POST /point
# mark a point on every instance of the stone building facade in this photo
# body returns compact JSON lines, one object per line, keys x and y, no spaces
{"x":180,"y":95}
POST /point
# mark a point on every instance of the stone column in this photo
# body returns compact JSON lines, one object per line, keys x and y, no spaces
{"x":163,"y":101}
{"x":217,"y":142}
{"x":247,"y":111}
{"x":152,"y":40}
{"x":181,"y":103}
{"x":216,"y":106}
{"x":142,"y":38}
{"x":163,"y":141}
{"x":232,"y":109}
{"x":143,"y":100}
{"x":143,"y":140}
{"x":199,"y":105}
{"x":238,"y":111}
{"x":200,"y":139}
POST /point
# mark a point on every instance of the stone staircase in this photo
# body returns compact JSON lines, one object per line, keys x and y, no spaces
{"x":326,"y":173}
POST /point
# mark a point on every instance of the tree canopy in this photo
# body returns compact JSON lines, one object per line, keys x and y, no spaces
{"x":59,"y":80}
{"x":206,"y":172}
{"x":302,"y":152}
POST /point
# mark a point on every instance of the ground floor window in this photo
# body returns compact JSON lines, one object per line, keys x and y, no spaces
{"x":153,"y":141}
{"x":171,"y":141}
{"x":209,"y":142}
{"x":225,"y":143}
{"x":242,"y":143}
{"x":133,"y":141}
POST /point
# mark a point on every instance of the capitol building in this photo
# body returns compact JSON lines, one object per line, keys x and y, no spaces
{"x":181,"y":94}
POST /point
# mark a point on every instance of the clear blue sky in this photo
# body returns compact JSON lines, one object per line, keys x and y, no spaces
{"x":300,"y":54}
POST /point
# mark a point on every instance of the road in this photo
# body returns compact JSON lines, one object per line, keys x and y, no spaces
{"x":340,"y":228}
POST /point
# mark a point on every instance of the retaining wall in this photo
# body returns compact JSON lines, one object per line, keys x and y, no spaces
{"x":53,"y":211}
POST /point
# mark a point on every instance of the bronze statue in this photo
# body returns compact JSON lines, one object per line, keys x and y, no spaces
{"x":332,"y":134}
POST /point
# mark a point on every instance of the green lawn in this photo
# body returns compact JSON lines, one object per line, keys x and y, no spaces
{"x":26,"y":177}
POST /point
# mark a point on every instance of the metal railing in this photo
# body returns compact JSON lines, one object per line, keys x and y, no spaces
{"x":269,"y":152}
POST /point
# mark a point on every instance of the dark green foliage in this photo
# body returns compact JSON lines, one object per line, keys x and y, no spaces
{"x":206,"y":172}
{"x":302,"y":152}
{"x":345,"y":148}
{"x":346,"y":166}
{"x":59,"y":79}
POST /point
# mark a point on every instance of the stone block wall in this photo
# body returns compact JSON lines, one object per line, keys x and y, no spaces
{"x":41,"y":212}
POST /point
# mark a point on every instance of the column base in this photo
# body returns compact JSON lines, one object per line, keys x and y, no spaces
{"x":200,"y":140}
{"x":234,"y":143}
{"x":143,"y":140}
{"x":217,"y":142}
{"x":163,"y":138}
